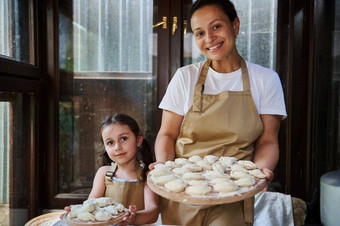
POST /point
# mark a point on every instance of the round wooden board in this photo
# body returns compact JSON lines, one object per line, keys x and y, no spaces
{"x":211,"y":198}
{"x":44,"y":218}
{"x":75,"y":222}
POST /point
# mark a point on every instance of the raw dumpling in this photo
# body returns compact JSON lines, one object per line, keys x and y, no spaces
{"x":237,"y":167}
{"x":210,"y":174}
{"x":175,"y":185}
{"x":90,"y":201}
{"x":204,"y":164}
{"x":182,"y":161}
{"x":198,"y":182}
{"x":161,"y":166}
{"x":211,"y":159}
{"x":180,"y":171}
{"x":159,"y":172}
{"x":193,"y":176}
{"x":102,"y":216}
{"x":120,"y":207}
{"x":228,"y":161}
{"x":104,"y":201}
{"x":111,"y":209}
{"x":172,"y":164}
{"x":219,"y":180}
{"x":225,"y":187}
{"x":245,"y":182}
{"x":257,"y":173}
{"x":164,"y":179}
{"x":218,"y":167}
{"x":197,"y":190}
{"x":75,"y":209}
{"x":193,"y":167}
{"x":87,"y":208}
{"x":195,"y":158}
{"x":239,"y":174}
{"x":86,"y":216}
{"x":247,"y":164}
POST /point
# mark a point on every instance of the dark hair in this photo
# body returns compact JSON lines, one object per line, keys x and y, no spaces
{"x":226,"y":5}
{"x":145,"y":154}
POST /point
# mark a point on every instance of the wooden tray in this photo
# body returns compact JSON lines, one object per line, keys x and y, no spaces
{"x":45,"y":218}
{"x":76,"y":222}
{"x":211,"y":198}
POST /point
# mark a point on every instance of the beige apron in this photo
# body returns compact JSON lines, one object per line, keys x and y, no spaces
{"x":127,"y":193}
{"x":226,"y":124}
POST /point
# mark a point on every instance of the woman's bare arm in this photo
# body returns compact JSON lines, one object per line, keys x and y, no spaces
{"x":267,"y":146}
{"x":167,"y":135}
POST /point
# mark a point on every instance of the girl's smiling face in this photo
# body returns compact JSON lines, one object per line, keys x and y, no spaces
{"x":121,"y":143}
{"x":214,"y":33}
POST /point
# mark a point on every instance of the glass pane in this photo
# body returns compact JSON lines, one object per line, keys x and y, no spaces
{"x":256,"y":41}
{"x":17,"y":126}
{"x":16,"y":23}
{"x":107,"y":66}
{"x":4,"y":163}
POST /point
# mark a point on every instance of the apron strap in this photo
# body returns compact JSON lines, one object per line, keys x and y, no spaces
{"x":248,"y":208}
{"x":245,"y":76}
{"x":199,"y":87}
{"x":112,"y":171}
{"x":113,"y":168}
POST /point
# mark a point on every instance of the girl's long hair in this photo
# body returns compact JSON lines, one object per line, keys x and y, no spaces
{"x":145,"y":154}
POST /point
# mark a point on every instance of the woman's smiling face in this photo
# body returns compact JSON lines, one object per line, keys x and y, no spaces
{"x":120,"y":143}
{"x":214,"y":33}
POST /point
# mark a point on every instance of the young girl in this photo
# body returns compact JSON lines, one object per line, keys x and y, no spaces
{"x":125,"y":179}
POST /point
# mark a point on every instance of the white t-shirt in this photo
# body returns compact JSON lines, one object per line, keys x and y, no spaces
{"x":265,"y":86}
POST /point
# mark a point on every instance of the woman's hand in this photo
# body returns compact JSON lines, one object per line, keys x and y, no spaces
{"x":130,"y":217}
{"x":269,"y":175}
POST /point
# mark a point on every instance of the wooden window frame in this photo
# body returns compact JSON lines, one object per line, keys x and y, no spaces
{"x":25,"y":78}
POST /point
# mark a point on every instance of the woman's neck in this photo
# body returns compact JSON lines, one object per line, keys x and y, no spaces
{"x":227,"y":65}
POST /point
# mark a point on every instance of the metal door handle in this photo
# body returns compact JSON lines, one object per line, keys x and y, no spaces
{"x":164,"y":23}
{"x":174,"y":25}
{"x":185,"y":22}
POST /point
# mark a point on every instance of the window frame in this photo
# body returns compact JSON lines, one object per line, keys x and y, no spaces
{"x":24,"y":78}
{"x":9,"y":66}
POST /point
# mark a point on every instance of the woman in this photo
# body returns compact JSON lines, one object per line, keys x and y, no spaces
{"x":224,"y":107}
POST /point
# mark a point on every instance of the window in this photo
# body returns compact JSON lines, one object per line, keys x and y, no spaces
{"x":4,"y":162}
{"x":16,"y":31}
{"x":19,"y":104}
{"x":106,"y":67}
{"x":17,"y":148}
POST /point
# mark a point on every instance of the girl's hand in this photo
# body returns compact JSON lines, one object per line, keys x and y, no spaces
{"x":131,"y":217}
{"x":68,"y":209}
{"x":269,"y":175}
{"x":152,"y":165}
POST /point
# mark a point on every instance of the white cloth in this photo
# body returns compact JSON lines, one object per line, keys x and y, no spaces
{"x":273,"y":208}
{"x":265,"y":86}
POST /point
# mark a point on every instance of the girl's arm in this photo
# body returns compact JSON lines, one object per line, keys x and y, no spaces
{"x":267,"y":145}
{"x":149,"y":214}
{"x":167,"y":135}
{"x":98,"y":187}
